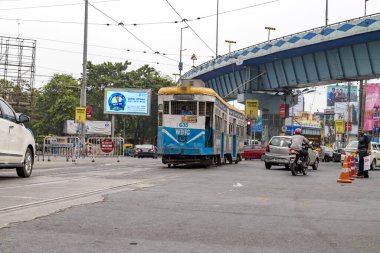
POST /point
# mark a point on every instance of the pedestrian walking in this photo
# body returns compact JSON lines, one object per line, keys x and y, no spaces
{"x":363,"y":150}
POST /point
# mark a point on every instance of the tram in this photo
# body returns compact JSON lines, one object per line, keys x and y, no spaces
{"x":196,"y":126}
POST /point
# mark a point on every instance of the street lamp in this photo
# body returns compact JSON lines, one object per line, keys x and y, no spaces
{"x":175,"y":76}
{"x":229,"y":45}
{"x":180,"y":65}
{"x":269,"y":28}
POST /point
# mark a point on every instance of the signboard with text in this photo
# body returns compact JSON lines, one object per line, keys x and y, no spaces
{"x":127,"y":101}
{"x":80,"y":115}
{"x":251,"y":109}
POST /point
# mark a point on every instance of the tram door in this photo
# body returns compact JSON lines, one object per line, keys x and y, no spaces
{"x":234,"y":140}
{"x":209,"y":136}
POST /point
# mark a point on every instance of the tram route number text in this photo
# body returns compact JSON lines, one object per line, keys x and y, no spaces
{"x":182,"y":124}
{"x":182,"y":131}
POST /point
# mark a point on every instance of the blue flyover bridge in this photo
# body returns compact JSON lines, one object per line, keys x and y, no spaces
{"x":341,"y":52}
{"x":344,"y":51}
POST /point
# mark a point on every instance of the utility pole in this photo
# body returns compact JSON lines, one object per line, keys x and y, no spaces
{"x":269,"y":28}
{"x":180,"y":65}
{"x":217,"y":28}
{"x":365,"y":7}
{"x":229,"y":45}
{"x":327,"y":13}
{"x":84,"y":73}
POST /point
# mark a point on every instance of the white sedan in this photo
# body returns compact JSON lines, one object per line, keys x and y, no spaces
{"x":17,"y":147}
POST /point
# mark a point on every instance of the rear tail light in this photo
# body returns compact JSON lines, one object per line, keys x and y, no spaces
{"x":267,"y":149}
{"x":292,"y":151}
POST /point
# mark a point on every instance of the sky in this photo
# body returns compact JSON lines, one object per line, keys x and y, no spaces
{"x":151,"y":26}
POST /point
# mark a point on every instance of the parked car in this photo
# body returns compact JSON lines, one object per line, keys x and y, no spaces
{"x":145,"y":150}
{"x":352,"y":148}
{"x":251,"y":142}
{"x":337,"y":155}
{"x":17,"y":147}
{"x":277,"y":153}
{"x":253,"y":152}
{"x":326,"y":154}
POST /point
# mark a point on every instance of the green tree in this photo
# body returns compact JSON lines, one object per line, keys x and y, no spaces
{"x":136,"y":129}
{"x":55,"y":103}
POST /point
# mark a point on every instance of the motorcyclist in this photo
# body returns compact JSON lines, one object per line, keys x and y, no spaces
{"x":297,"y":141}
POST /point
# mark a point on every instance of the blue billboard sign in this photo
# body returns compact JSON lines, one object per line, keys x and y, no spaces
{"x":291,"y":129}
{"x":127,"y":101}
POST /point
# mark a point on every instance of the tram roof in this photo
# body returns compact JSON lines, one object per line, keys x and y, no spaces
{"x":195,"y":90}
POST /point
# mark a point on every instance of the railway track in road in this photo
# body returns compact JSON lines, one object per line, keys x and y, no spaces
{"x":105,"y":169}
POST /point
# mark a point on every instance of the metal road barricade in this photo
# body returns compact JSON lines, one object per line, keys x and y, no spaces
{"x":104,"y":147}
{"x":61,"y":146}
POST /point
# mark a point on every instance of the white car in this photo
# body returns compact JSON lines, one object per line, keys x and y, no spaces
{"x":352,"y":147}
{"x":17,"y":145}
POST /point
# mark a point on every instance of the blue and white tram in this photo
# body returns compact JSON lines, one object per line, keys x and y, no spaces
{"x":195,"y":125}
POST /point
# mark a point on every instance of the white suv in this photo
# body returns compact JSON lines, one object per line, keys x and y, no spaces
{"x":17,"y":145}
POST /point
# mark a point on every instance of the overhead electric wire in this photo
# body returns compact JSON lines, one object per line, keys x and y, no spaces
{"x":113,"y":48}
{"x":49,"y":6}
{"x":185,"y":21}
{"x":106,"y":56}
{"x":137,"y":24}
{"x":137,"y":38}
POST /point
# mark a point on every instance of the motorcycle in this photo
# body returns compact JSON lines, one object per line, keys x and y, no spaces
{"x":298,"y":162}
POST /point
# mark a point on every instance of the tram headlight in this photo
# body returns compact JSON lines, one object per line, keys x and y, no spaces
{"x":182,"y":138}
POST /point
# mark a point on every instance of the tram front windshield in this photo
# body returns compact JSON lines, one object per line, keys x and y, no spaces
{"x":184,"y":108}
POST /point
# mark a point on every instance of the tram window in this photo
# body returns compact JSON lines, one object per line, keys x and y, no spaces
{"x":166,"y":107}
{"x":209,"y":107}
{"x":202,"y":108}
{"x":184,"y":107}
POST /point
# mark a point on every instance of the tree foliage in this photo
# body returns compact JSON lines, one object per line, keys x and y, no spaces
{"x":56,"y":102}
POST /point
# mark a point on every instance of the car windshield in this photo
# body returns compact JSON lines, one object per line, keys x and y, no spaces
{"x":280,"y":142}
{"x":353,"y":144}
{"x":329,"y":149}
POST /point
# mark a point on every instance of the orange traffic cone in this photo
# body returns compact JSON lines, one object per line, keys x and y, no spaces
{"x":353,"y":172}
{"x":344,"y":176}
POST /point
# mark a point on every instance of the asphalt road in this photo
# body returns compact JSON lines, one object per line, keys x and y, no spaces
{"x":139,"y":205}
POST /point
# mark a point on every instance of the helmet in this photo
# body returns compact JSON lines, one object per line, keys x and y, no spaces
{"x":297,"y":131}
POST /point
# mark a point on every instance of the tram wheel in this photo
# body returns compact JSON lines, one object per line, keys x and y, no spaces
{"x":169,"y":165}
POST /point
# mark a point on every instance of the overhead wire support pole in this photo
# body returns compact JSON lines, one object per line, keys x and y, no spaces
{"x":84,"y":73}
{"x":217,"y":28}
{"x":327,"y":13}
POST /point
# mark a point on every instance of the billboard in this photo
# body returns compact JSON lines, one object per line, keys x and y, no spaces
{"x":339,"y":93}
{"x":372,"y":107}
{"x":251,"y":109}
{"x":127,"y":101}
{"x":339,"y":126}
{"x":92,"y":127}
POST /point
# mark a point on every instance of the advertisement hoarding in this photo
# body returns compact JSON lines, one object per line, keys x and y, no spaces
{"x":339,"y":126}
{"x":339,"y":93}
{"x":80,"y":115}
{"x":251,"y":109}
{"x":127,"y":101}
{"x":100,"y":128}
{"x":372,"y":107}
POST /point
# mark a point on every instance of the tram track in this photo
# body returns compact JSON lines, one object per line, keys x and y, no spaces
{"x":76,"y":196}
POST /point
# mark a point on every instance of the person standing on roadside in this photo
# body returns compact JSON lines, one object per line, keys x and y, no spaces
{"x":363,"y":150}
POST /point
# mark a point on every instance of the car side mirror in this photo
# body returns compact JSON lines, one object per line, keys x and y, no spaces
{"x":23,"y":118}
